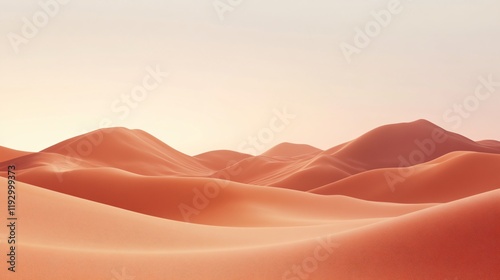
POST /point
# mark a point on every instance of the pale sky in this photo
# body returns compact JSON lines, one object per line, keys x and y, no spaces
{"x":65,"y":68}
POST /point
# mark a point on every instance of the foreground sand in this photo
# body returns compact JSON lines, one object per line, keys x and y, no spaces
{"x":132,"y":207}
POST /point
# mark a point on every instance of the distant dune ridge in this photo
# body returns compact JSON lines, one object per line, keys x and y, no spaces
{"x":403,"y":201}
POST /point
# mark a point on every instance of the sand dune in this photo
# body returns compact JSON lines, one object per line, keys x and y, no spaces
{"x":454,"y":176}
{"x":391,"y":146}
{"x":217,"y":160}
{"x":403,"y":201}
{"x":131,"y":150}
{"x":415,"y":142}
{"x":109,"y":239}
{"x":290,"y":150}
{"x":7,"y":154}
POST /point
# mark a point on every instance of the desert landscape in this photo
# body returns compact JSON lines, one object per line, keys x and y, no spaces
{"x":402,"y":201}
{"x":249,"y":140}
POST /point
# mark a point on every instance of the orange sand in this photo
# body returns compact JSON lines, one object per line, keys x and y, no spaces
{"x":403,"y":201}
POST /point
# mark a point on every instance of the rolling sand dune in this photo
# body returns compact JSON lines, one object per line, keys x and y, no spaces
{"x":131,"y":150}
{"x":7,"y":154}
{"x":303,"y":167}
{"x":455,"y":176}
{"x":404,"y":201}
{"x":290,"y":150}
{"x":217,"y":160}
{"x":419,"y":140}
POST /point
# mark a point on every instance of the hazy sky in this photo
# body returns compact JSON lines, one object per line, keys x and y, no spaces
{"x":71,"y":66}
